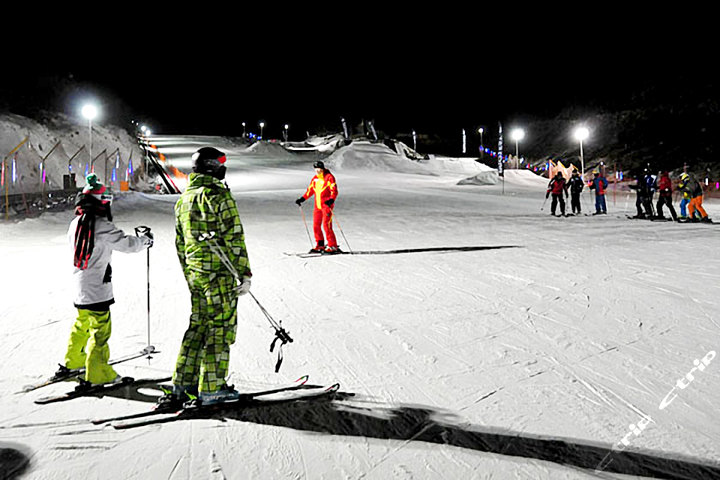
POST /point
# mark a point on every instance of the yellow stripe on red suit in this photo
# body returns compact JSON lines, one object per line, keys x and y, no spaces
{"x":323,"y":186}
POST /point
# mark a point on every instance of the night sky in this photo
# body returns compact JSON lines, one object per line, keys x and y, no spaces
{"x":434,"y":77}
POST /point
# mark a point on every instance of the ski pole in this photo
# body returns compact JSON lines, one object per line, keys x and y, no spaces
{"x":543,"y":205}
{"x":334,"y":217}
{"x":280,"y":333}
{"x":143,"y":230}
{"x":306,"y":227}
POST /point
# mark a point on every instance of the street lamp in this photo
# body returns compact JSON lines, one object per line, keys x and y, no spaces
{"x":262,"y":125}
{"x":414,"y":135}
{"x":482,"y":149}
{"x":517,"y":135}
{"x":243,"y":125}
{"x":89,"y":111}
{"x":581,"y":134}
{"x":286,"y":131}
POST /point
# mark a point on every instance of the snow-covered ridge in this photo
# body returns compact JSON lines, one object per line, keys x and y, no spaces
{"x":36,"y":141}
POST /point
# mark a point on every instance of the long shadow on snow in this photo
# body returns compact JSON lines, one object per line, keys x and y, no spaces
{"x":429,"y":249}
{"x":418,"y":424}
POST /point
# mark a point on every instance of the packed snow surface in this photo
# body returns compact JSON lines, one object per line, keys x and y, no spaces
{"x":473,"y":334}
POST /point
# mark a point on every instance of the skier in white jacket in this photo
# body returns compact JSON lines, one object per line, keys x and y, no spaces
{"x":93,"y":237}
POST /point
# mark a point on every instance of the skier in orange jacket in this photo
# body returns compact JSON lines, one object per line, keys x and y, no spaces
{"x":324,"y":188}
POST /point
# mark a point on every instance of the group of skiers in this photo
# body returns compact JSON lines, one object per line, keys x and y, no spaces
{"x":691,"y":208}
{"x":210,"y":245}
{"x":559,"y":187}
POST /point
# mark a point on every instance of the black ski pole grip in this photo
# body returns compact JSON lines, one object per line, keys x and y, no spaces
{"x":141,"y":230}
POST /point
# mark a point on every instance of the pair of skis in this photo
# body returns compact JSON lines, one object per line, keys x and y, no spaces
{"x":296,"y":391}
{"x":73,"y":373}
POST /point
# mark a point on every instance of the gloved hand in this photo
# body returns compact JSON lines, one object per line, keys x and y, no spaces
{"x":244,"y":287}
{"x":547,"y":194}
{"x":299,"y":201}
{"x":329,"y":201}
{"x":148,"y":239}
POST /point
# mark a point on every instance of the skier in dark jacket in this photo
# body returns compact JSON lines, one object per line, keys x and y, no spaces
{"x":642,"y":188}
{"x":665,"y":188}
{"x":576,"y":185}
{"x":557,"y":187}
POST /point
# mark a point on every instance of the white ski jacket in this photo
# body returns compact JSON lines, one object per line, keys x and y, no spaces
{"x":93,"y":286}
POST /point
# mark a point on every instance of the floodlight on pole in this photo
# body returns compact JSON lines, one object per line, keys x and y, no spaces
{"x":581,"y":134}
{"x":262,"y":125}
{"x":243,"y":125}
{"x":517,"y":135}
{"x":482,"y":149}
{"x":286,"y":131}
{"x":89,"y":111}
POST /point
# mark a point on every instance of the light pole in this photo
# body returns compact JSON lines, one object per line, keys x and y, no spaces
{"x":262,"y":125}
{"x":89,"y":111}
{"x":243,"y":125}
{"x":482,"y":149}
{"x":464,"y":142}
{"x":414,"y":135}
{"x":517,"y":135}
{"x":286,"y":131}
{"x":581,"y":134}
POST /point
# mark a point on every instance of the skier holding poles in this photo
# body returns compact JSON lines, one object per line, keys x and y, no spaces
{"x":93,"y":238}
{"x":324,"y":187}
{"x":557,"y":187}
{"x":576,"y":185}
{"x":599,"y":184}
{"x":208,"y":206}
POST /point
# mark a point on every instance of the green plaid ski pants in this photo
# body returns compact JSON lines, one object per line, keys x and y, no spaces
{"x":204,"y":355}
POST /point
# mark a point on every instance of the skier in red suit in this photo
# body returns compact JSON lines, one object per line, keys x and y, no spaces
{"x":324,"y":188}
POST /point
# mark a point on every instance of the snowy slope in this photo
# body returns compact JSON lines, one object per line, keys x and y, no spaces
{"x":501,"y":342}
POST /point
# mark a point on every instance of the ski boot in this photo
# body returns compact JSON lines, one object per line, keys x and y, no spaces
{"x":176,"y":398}
{"x":332,"y":250}
{"x":319,"y":248}
{"x":225,"y":394}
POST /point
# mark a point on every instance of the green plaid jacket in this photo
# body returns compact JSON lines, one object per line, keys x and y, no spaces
{"x":207,"y":206}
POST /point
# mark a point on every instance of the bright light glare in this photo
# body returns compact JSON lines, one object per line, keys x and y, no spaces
{"x":581,"y":134}
{"x":89,"y":111}
{"x":518,"y":134}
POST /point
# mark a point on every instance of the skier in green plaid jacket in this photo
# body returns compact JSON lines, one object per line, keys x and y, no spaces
{"x":208,"y":208}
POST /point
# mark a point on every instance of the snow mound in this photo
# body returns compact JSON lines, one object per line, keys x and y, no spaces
{"x":269,"y":149}
{"x":525,"y":178}
{"x":363,"y":155}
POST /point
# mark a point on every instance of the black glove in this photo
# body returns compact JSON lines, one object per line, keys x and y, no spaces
{"x":299,"y":201}
{"x":148,"y":239}
{"x":329,"y":201}
{"x":547,"y":194}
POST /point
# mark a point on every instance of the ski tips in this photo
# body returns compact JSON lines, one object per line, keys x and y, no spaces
{"x":303,"y":380}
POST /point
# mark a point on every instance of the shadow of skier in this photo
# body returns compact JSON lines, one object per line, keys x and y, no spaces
{"x":429,"y":250}
{"x":421,"y":424}
{"x":13,"y":461}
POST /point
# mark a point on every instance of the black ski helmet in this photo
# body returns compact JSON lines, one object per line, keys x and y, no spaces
{"x":319,"y":164}
{"x":209,"y":161}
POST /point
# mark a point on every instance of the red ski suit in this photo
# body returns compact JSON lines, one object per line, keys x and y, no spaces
{"x":324,"y":188}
